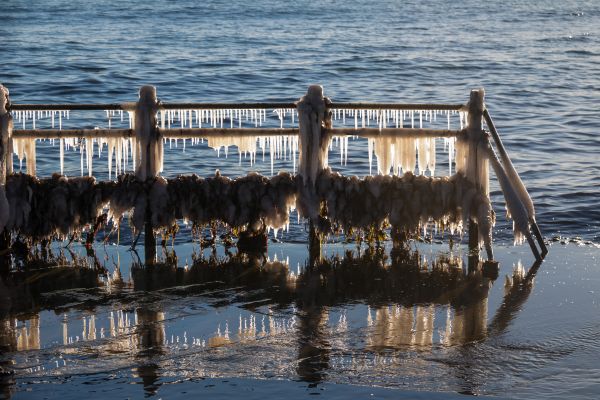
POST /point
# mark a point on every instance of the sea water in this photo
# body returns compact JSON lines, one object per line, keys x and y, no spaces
{"x":539,"y":63}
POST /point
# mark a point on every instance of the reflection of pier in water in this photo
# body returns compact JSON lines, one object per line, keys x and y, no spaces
{"x":411,"y":304}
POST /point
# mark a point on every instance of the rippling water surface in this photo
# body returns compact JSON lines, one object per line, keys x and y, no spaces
{"x":539,"y":62}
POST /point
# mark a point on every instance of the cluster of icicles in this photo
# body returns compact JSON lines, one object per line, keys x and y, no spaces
{"x":239,"y":117}
{"x":58,"y":207}
{"x":393,"y":155}
{"x":61,"y":206}
{"x":44,"y":208}
{"x":407,"y":202}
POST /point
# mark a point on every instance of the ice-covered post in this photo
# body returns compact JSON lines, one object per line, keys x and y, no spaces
{"x":6,"y":127}
{"x":313,"y":145}
{"x":149,"y":156}
{"x":477,"y":164}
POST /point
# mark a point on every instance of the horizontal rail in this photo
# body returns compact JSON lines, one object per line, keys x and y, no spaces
{"x":63,"y":107}
{"x":231,"y":132}
{"x":399,"y":106}
{"x":394,"y":132}
{"x":224,"y":106}
{"x":71,"y":133}
{"x":225,"y":132}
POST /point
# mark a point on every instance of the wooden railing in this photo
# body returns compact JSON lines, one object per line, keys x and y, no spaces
{"x":314,"y":113}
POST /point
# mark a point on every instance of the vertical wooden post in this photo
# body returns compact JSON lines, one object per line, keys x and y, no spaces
{"x":6,"y":127}
{"x":313,"y":146}
{"x":475,"y":135}
{"x":149,"y":157}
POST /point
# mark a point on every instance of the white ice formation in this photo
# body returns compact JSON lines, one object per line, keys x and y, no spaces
{"x":422,"y":201}
{"x":6,"y":126}
{"x":515,"y":207}
{"x":279,"y":147}
{"x":146,"y":135}
{"x":313,"y":148}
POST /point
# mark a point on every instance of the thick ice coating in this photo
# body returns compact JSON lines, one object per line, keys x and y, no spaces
{"x":146,"y":134}
{"x":60,"y":206}
{"x":6,"y":127}
{"x":515,"y":207}
{"x":313,"y":147}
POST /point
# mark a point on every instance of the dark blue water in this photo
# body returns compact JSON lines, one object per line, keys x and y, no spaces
{"x":539,"y":62}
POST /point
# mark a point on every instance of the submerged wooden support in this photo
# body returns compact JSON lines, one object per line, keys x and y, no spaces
{"x":149,"y":152}
{"x":475,"y":161}
{"x":313,"y":143}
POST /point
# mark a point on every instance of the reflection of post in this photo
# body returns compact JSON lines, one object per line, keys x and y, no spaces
{"x":469,"y":323}
{"x":29,"y":338}
{"x":424,"y":325}
{"x":150,"y":331}
{"x":399,"y":326}
{"x":65,"y":330}
{"x":8,"y":338}
{"x":514,"y":297}
{"x":313,"y":352}
{"x":149,"y":374}
{"x":392,"y":328}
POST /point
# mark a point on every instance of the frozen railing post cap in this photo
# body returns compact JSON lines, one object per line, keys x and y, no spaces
{"x":476,"y":98}
{"x":476,"y":106}
{"x":315,"y":94}
{"x":148,"y":94}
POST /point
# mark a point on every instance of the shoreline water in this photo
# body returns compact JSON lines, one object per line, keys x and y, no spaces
{"x":507,"y":333}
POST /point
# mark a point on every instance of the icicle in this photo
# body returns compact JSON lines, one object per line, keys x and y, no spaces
{"x":370,"y":154}
{"x":384,"y":150}
{"x":432,"y":154}
{"x":81,"y":156}
{"x":62,"y":156}
{"x":450,"y":142}
{"x":423,"y":149}
{"x":89,"y":149}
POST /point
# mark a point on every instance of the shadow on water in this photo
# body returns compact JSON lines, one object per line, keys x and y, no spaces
{"x":401,"y":290}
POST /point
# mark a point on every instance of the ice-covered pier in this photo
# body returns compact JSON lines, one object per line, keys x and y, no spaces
{"x":397,"y":197}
